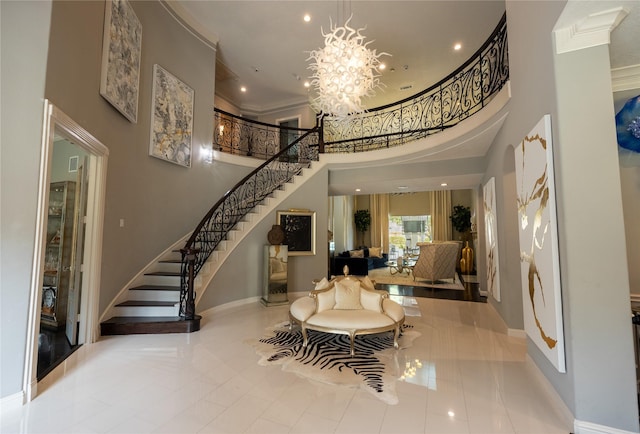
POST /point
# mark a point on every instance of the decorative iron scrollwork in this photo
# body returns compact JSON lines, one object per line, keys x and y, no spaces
{"x":238,"y":202}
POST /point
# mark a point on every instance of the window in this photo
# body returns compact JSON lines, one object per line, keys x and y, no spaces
{"x":405,"y":232}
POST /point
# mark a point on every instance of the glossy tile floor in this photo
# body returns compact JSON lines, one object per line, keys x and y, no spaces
{"x":473,"y":379}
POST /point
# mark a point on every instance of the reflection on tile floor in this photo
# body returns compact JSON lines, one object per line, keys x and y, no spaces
{"x":465,"y":375}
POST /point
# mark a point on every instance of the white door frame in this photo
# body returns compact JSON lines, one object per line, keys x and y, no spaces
{"x":54,"y":119}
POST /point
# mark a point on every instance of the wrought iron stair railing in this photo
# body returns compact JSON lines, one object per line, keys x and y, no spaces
{"x":236,"y":204}
{"x":455,"y":98}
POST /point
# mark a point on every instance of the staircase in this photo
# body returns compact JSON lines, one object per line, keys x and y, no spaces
{"x":150,"y":303}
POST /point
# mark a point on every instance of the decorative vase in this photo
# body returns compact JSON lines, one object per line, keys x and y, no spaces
{"x":467,"y":257}
{"x":463,"y":266}
{"x":276,"y":235}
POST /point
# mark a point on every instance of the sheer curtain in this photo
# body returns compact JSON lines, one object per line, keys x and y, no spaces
{"x":440,"y":215}
{"x":379,"y":204}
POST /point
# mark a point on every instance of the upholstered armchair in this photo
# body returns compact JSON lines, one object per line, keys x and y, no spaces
{"x":437,"y":260}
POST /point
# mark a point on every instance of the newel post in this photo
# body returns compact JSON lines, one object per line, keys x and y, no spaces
{"x":190,"y":302}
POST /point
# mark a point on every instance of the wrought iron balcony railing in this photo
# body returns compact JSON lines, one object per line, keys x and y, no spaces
{"x":453,"y":99}
{"x":458,"y":96}
{"x":236,"y":135}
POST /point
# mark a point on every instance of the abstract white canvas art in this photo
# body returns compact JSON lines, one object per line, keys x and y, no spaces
{"x":539,"y":259}
{"x":171,"y":118}
{"x":121,"y":52}
{"x":491,"y":238}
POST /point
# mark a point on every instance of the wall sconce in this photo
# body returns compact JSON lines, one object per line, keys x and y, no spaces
{"x":207,"y":153}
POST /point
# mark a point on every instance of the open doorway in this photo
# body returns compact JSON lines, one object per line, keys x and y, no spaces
{"x":64,"y":247}
{"x":66,"y":272}
{"x":289,"y":132}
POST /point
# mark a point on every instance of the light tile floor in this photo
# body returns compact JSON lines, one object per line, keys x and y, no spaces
{"x":473,"y":379}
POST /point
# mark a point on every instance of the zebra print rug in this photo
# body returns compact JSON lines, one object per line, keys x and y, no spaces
{"x":374,"y":367}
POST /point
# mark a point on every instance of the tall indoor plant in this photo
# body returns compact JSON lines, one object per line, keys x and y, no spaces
{"x":362,"y":220}
{"x":461,"y":219}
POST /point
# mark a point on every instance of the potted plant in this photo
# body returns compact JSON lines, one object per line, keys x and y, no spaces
{"x":461,"y":218}
{"x":362,"y":220}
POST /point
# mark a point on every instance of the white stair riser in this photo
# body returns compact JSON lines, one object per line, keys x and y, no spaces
{"x":171,"y":267}
{"x":161,"y":280}
{"x":154,"y":295}
{"x":147,"y":310}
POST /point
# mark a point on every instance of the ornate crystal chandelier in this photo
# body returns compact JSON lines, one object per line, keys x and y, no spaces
{"x":344,"y":72}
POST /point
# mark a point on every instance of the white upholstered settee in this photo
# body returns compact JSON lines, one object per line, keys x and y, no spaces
{"x":347,"y":305}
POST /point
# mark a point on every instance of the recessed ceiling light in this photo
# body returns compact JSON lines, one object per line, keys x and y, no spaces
{"x":307,"y":18}
{"x":243,"y":89}
{"x":458,"y":46}
{"x":357,"y":189}
{"x":307,"y":84}
{"x":402,"y":187}
{"x":382,"y":66}
{"x":444,"y":184}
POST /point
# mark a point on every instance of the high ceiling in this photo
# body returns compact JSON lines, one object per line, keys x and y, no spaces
{"x":264,"y":45}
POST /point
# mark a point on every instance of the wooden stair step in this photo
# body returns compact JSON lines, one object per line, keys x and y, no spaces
{"x":163,"y":273}
{"x":155,"y":288}
{"x":170,"y":261}
{"x":147,"y":303}
{"x":121,"y":325}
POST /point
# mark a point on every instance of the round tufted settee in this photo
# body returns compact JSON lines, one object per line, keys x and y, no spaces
{"x":347,"y":305}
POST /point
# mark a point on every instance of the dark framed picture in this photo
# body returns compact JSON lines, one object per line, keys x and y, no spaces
{"x":300,"y":231}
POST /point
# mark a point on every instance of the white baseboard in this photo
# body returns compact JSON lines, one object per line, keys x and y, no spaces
{"x":230,"y":305}
{"x":517,"y":333}
{"x":563,"y":411}
{"x":582,"y":427}
{"x":11,"y":402}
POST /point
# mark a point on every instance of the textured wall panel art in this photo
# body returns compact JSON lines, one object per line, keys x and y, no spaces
{"x":491,"y":238}
{"x":540,"y":267}
{"x":171,"y":118}
{"x":121,"y":49}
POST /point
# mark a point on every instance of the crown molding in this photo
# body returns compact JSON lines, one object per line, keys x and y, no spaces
{"x":191,"y":24}
{"x":625,"y":78}
{"x":591,"y":31}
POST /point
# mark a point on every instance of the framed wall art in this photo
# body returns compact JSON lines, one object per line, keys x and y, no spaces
{"x":539,"y":257}
{"x":121,"y":51}
{"x":171,"y":118}
{"x":300,"y":231}
{"x":491,"y":238}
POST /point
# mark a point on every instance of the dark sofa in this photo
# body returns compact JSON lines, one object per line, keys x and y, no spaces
{"x":357,"y":266}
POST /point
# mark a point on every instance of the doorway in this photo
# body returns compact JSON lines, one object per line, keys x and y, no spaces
{"x":289,"y":132}
{"x":64,"y":247}
{"x":66,"y":272}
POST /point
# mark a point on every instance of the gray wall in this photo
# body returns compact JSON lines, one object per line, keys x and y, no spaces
{"x":595,"y":291}
{"x":597,"y":316}
{"x":24,"y":38}
{"x":158,"y":201}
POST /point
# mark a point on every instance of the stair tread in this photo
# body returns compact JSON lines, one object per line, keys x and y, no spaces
{"x":147,"y":303}
{"x":141,"y":319}
{"x":155,"y":288}
{"x":163,"y":273}
{"x":170,"y":261}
